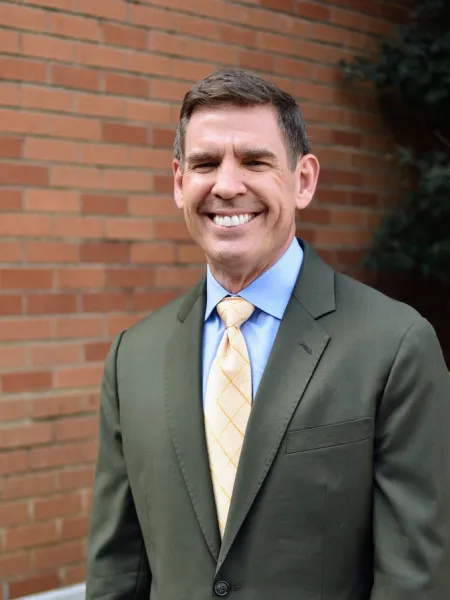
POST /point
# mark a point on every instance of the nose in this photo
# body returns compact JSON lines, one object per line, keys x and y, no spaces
{"x":228,"y":183}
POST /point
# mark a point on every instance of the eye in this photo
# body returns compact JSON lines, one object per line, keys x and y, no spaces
{"x":256,"y":163}
{"x":206,"y":166}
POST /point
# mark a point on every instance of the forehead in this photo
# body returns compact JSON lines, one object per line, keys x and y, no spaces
{"x":238,"y":126}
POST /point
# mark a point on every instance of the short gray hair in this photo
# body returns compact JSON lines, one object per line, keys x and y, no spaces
{"x":241,"y":88}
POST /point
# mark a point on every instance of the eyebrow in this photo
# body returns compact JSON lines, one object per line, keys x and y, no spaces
{"x":246,"y":154}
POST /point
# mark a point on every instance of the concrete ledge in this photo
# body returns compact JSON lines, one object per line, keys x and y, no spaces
{"x":74,"y":592}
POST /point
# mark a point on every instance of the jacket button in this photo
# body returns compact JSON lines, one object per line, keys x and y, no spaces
{"x":221,"y":588}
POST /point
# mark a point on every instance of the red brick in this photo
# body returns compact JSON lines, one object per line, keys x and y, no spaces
{"x":18,"y":279}
{"x":152,"y":300}
{"x":147,"y":111}
{"x":171,"y":230}
{"x":190,"y":253}
{"x":14,"y":564}
{"x":21,"y":17}
{"x":124,"y":134}
{"x":276,"y":43}
{"x":85,"y":177}
{"x":353,"y":218}
{"x":56,"y":506}
{"x":100,"y":105}
{"x":74,"y":27}
{"x":100,"y":56}
{"x":77,"y":478}
{"x":20,"y":174}
{"x":31,"y":435}
{"x":28,"y":486}
{"x":53,"y":354}
{"x":153,"y":206}
{"x":79,"y":227}
{"x":176,"y":277}
{"x":104,"y":155}
{"x":12,"y":462}
{"x":150,"y":158}
{"x":164,"y":184}
{"x":51,"y":252}
{"x":60,"y":455}
{"x":128,"y":180}
{"x":53,"y":406}
{"x":312,"y":10}
{"x":14,"y":514}
{"x":256,"y":60}
{"x":51,"y":150}
{"x":104,"y":302}
{"x":363,"y":198}
{"x":75,"y":77}
{"x":80,"y":278}
{"x":24,"y":122}
{"x":66,"y":5}
{"x":163,"y":137}
{"x":152,"y":253}
{"x":10,"y":200}
{"x":52,"y":201}
{"x":77,"y":427}
{"x":104,"y":252}
{"x":112,"y":10}
{"x":125,"y":85}
{"x":118,"y":35}
{"x":9,"y":94}
{"x":168,"y":90}
{"x":339,"y":237}
{"x":346,"y":138}
{"x":79,"y":377}
{"x":296,"y":68}
{"x":48,"y":47}
{"x":44,"y":304}
{"x":9,"y":42}
{"x":15,"y":383}
{"x":130,"y":277}
{"x":74,"y":528}
{"x":151,"y":17}
{"x":239,"y":36}
{"x":118,"y":323}
{"x":338,"y":177}
{"x":96,"y":351}
{"x":34,"y":585}
{"x":76,"y":128}
{"x":189,"y":25}
{"x":48,"y":99}
{"x":59,"y":555}
{"x":10,"y":251}
{"x":13,"y":410}
{"x":79,"y":327}
{"x":17,"y":69}
{"x":191,"y":70}
{"x":10,"y":304}
{"x":14,"y":330}
{"x":10,"y":147}
{"x":103,"y":205}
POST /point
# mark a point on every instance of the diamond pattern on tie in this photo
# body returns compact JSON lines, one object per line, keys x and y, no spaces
{"x":228,"y":403}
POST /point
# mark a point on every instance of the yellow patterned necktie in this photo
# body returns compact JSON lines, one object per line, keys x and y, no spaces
{"x":228,"y":403}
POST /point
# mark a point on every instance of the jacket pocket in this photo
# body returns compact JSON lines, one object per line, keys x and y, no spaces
{"x":347,"y":432}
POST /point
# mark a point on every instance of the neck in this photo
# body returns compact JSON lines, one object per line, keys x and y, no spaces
{"x":234,"y":280}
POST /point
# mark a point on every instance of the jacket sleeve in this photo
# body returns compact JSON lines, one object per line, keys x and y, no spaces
{"x":412,"y":474}
{"x":117,"y":566}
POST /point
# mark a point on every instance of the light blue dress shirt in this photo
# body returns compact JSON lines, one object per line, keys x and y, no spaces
{"x":270,"y":294}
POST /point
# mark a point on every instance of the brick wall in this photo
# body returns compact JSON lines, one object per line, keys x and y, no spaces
{"x":90,"y":240}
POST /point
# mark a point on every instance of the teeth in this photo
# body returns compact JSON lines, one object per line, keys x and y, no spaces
{"x":233,"y":221}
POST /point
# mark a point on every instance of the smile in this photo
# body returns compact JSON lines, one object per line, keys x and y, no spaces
{"x":233,"y":220}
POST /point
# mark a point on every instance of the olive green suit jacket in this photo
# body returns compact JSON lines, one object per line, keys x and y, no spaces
{"x":342,"y":491}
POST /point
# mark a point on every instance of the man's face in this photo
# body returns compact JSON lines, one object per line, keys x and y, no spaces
{"x":237,"y":190}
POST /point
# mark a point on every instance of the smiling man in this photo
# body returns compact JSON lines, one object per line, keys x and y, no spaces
{"x":280,"y":431}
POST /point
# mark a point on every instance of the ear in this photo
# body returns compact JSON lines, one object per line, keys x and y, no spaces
{"x":307,"y":172}
{"x":178,"y":183}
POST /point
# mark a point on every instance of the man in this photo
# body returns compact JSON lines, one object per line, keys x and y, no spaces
{"x":280,"y":431}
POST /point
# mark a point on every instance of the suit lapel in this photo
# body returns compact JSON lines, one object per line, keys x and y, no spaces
{"x":298,"y":348}
{"x":185,"y":412}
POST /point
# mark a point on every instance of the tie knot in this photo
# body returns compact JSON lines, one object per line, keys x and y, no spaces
{"x":234,"y":311}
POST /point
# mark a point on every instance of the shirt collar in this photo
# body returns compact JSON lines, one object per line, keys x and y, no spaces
{"x":270,"y":292}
